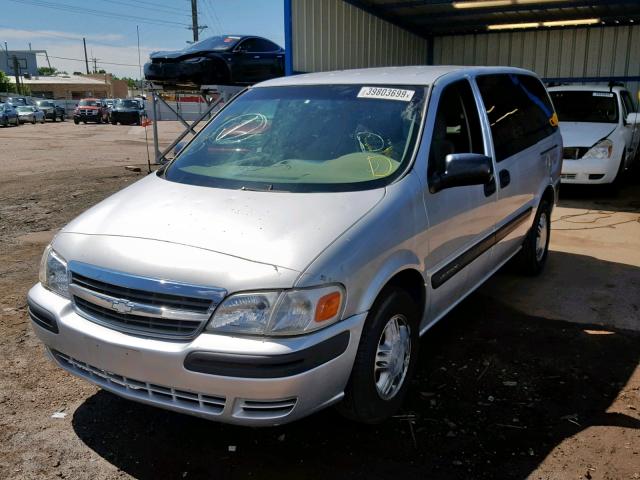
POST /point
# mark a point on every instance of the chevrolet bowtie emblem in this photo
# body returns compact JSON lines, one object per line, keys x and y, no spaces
{"x":122,"y":306}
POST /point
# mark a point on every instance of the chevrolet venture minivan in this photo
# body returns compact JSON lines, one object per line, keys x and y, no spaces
{"x":292,"y":254}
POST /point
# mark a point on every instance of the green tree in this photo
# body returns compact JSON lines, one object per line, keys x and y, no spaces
{"x":5,"y":84}
{"x":47,"y":71}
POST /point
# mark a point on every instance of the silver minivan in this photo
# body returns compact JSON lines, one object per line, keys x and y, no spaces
{"x":293,"y":253}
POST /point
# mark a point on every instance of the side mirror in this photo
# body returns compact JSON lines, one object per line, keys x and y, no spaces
{"x":633,"y":119}
{"x":463,"y":169}
{"x":179,"y":146}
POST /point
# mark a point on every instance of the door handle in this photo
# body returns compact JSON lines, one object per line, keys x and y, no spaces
{"x":505,"y":178}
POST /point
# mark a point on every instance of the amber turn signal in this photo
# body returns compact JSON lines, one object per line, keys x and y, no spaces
{"x":328,"y":306}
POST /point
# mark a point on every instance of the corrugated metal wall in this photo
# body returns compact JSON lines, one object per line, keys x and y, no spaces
{"x":334,"y":35}
{"x":575,"y":53}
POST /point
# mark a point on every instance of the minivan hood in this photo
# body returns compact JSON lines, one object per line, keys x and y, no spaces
{"x":584,"y":134}
{"x":277,"y":228}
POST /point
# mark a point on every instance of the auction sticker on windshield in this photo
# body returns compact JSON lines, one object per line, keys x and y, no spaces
{"x":386,"y":93}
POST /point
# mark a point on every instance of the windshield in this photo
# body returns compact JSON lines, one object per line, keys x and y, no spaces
{"x":88,"y":103}
{"x":24,"y":109}
{"x":306,"y":138}
{"x":45,"y":104}
{"x":214,"y":43}
{"x":127,"y":104}
{"x":585,"y":106}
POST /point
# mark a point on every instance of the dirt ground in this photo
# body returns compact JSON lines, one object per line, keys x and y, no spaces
{"x":527,"y":378}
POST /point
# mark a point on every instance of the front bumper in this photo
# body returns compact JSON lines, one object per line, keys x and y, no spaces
{"x":590,"y":171}
{"x":87,"y":117}
{"x":125,"y":117}
{"x":153,"y":371}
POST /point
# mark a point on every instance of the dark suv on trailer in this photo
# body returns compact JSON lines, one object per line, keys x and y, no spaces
{"x":220,"y":60}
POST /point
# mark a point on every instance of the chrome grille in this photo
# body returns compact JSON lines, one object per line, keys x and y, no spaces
{"x":574,"y":153}
{"x":140,"y":389}
{"x":141,"y":305}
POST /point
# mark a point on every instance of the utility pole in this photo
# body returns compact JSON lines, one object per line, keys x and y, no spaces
{"x":6,"y":50}
{"x":16,"y":71}
{"x":47,"y":55}
{"x":139,"y":62}
{"x":95,"y":66}
{"x":86,"y":59}
{"x":194,"y":19}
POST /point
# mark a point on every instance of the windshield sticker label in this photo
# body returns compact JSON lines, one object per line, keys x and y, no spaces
{"x":602,"y":94}
{"x":386,"y":93}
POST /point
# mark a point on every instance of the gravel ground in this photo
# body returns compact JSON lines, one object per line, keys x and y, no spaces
{"x":506,"y":386}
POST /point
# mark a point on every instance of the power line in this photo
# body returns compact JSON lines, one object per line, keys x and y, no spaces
{"x":83,"y":61}
{"x":160,"y":8}
{"x":63,"y":36}
{"x":100,"y":13}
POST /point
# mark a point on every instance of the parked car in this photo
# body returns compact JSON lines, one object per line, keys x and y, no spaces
{"x":19,"y":101}
{"x":52,"y":111}
{"x":109,"y":103}
{"x":601,"y":131}
{"x":127,"y":111}
{"x":8,"y":115}
{"x":294,"y":251}
{"x":219,"y":60}
{"x":29,"y":113}
{"x":90,"y":110}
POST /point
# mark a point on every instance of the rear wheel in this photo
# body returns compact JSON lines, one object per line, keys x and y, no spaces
{"x":53,"y":119}
{"x":535,"y":249}
{"x":75,"y":120}
{"x":385,"y":359}
{"x":33,"y":121}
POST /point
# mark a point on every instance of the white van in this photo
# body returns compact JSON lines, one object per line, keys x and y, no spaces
{"x":292,"y":254}
{"x":600,"y":127}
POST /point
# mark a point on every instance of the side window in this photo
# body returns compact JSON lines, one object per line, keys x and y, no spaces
{"x":265,"y":46}
{"x":248,"y":45}
{"x":519,"y":111}
{"x":627,"y":101}
{"x":457,"y":127}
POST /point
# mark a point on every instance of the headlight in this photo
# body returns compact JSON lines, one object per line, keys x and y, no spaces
{"x":53,"y":272}
{"x":600,"y":151}
{"x":288,"y":312}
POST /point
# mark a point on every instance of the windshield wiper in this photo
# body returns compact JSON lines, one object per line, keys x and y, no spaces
{"x":268,"y":188}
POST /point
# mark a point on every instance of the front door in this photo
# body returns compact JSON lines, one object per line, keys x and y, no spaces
{"x":523,"y":127}
{"x":461,"y":219}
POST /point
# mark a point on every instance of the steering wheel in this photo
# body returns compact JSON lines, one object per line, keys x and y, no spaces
{"x":370,"y":142}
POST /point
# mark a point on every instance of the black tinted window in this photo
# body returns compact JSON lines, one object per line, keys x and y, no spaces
{"x":586,"y":106}
{"x":457,"y":126}
{"x":519,"y":112}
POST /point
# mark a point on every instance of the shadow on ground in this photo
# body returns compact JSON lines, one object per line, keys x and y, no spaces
{"x":496,"y":390}
{"x":623,"y":197}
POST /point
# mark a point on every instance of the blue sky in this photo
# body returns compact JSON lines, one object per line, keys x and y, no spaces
{"x":110,"y":27}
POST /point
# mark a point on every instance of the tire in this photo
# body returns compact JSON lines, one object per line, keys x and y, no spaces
{"x":535,"y":249}
{"x":114,"y":122}
{"x":62,"y":118}
{"x":368,"y":398}
{"x":33,"y":121}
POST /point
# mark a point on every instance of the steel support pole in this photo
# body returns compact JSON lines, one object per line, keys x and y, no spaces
{"x":156,"y":146}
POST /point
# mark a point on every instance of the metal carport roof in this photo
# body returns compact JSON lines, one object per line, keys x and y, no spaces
{"x":447,"y":17}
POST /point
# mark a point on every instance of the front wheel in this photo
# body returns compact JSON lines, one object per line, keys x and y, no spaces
{"x":535,"y":249}
{"x":385,"y":360}
{"x":76,"y":121}
{"x":62,"y":118}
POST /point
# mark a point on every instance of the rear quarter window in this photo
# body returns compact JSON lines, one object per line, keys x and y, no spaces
{"x":519,"y":111}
